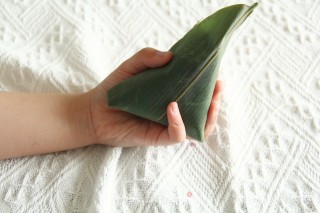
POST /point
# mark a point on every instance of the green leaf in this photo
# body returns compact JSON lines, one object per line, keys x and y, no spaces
{"x":188,"y":79}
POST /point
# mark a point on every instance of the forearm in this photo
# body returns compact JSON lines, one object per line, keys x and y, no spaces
{"x":42,"y":123}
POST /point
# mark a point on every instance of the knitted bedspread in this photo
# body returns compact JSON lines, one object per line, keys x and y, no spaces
{"x":264,"y":155}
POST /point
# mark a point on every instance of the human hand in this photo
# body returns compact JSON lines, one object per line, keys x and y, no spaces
{"x":117,"y":128}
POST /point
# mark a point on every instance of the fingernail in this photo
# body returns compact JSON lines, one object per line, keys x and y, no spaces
{"x":221,"y":85}
{"x":175,"y":109}
{"x":161,"y":53}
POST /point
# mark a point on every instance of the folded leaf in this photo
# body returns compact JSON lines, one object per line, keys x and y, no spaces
{"x":189,"y":79}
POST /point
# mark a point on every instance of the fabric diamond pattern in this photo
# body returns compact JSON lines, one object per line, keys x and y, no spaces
{"x":264,"y":155}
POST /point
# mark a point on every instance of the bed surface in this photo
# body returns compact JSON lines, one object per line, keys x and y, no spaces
{"x":264,"y":155}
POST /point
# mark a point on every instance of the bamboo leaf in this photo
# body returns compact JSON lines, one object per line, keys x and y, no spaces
{"x":188,"y":79}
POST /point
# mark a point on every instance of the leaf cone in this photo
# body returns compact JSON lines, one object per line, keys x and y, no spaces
{"x":188,"y":79}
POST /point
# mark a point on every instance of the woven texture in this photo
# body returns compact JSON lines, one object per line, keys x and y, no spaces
{"x":264,"y":155}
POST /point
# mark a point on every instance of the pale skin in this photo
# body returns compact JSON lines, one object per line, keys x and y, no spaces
{"x":43,"y":123}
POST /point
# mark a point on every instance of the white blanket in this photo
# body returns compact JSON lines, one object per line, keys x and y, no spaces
{"x":264,"y":155}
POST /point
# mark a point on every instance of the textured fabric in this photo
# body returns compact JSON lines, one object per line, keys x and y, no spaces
{"x":264,"y":155}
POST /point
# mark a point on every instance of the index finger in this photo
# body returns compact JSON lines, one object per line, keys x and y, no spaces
{"x":145,"y":58}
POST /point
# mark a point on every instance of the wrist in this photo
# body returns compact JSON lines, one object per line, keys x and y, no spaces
{"x":81,"y":119}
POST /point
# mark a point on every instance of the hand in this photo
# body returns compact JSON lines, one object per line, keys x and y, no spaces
{"x":117,"y":128}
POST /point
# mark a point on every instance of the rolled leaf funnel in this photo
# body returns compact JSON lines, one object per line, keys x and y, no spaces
{"x":189,"y":79}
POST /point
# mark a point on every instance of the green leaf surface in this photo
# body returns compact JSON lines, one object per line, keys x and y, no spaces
{"x":188,"y":79}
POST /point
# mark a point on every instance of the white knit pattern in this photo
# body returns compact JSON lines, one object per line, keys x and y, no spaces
{"x":264,"y":155}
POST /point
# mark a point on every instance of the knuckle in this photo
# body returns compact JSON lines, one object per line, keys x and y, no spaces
{"x":180,"y":136}
{"x":177,"y":124}
{"x":147,"y":51}
{"x":183,"y":137}
{"x":177,"y":135}
{"x":178,"y":139}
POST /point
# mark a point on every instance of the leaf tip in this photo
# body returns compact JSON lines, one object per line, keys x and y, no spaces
{"x":254,"y":5}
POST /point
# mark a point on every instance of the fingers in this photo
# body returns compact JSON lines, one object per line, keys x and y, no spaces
{"x":176,"y":128}
{"x":176,"y":131}
{"x":217,"y":89}
{"x":212,"y":117}
{"x":213,"y":109}
{"x":145,"y":58}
